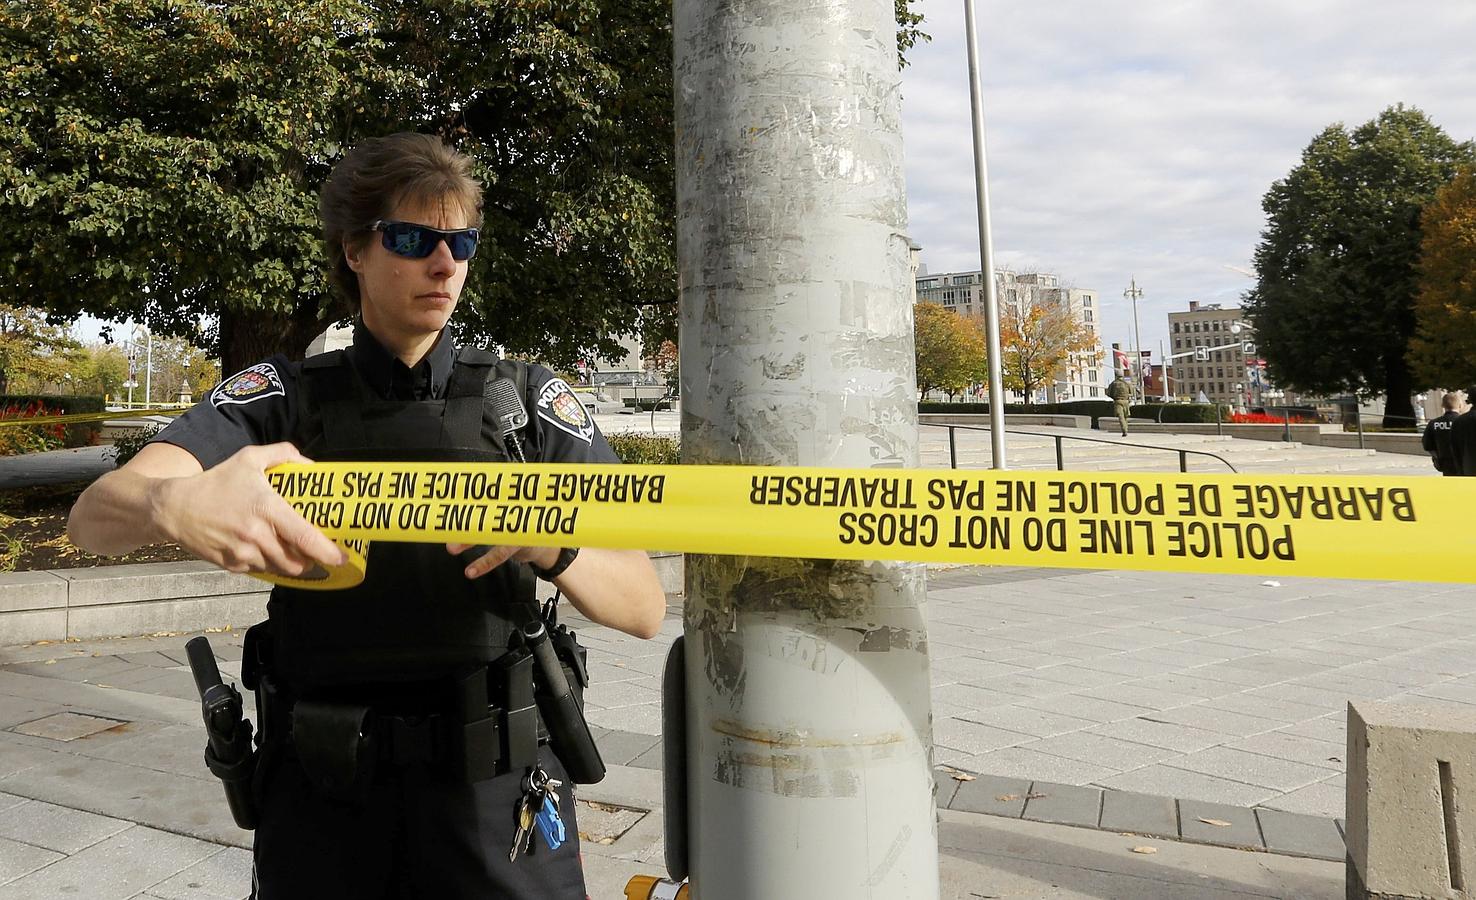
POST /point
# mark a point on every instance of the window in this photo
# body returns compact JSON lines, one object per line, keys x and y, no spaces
{"x":1176,"y":328}
{"x":1086,"y":299}
{"x":1092,"y":375}
{"x":1088,"y":314}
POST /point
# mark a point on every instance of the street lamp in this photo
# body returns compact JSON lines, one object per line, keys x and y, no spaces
{"x":1133,"y":292}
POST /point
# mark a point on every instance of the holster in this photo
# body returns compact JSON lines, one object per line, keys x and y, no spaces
{"x":335,"y":745}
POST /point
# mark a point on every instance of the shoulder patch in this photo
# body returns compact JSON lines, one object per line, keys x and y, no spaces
{"x":560,"y":407}
{"x":261,"y":380}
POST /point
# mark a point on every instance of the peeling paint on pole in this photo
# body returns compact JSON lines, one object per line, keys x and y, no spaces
{"x":808,"y":709}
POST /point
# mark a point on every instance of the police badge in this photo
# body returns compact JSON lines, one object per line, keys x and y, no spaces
{"x":261,"y":380}
{"x":560,"y":407}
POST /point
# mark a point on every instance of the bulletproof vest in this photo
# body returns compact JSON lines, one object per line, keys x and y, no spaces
{"x":415,"y":617}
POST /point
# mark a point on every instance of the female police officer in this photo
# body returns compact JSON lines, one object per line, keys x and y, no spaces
{"x":412,"y":812}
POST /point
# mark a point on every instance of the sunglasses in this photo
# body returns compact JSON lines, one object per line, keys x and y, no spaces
{"x":419,"y":241}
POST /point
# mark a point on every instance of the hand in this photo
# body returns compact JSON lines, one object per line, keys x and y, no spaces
{"x":542,"y":557}
{"x":230,"y":516}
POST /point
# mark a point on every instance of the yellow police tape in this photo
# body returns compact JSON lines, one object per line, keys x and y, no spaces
{"x":76,"y":418}
{"x":1329,"y":526}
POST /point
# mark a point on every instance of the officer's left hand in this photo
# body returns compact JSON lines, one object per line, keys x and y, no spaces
{"x":543,"y":557}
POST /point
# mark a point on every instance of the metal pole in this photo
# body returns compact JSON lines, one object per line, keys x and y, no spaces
{"x":808,"y":719}
{"x":952,"y":449}
{"x":1358,"y":420}
{"x":149,"y":370}
{"x":986,"y":249}
{"x":1133,"y":293}
{"x":1164,"y":365}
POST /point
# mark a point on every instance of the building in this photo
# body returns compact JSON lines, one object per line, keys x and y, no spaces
{"x":1214,"y":354}
{"x":963,"y":292}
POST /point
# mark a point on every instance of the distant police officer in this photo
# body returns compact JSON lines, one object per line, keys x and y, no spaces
{"x":1463,"y":438}
{"x":1436,"y":439}
{"x":384,"y":772}
{"x":1122,"y":394}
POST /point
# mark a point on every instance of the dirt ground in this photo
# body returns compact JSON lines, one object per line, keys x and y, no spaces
{"x":33,"y":533}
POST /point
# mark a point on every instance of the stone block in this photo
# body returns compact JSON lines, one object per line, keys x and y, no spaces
{"x":1139,"y":813}
{"x":1299,"y":835}
{"x":29,"y":626}
{"x":31,"y":590}
{"x":152,"y":616}
{"x":1066,"y":804}
{"x":153,"y":581}
{"x":1218,"y":823}
{"x":1411,"y":827}
{"x":992,"y":795}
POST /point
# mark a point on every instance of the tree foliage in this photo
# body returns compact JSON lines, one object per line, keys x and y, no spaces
{"x":1037,"y":344}
{"x":1336,"y":267}
{"x":1443,"y":351}
{"x":33,"y":351}
{"x":160,"y":159}
{"x":950,"y":350}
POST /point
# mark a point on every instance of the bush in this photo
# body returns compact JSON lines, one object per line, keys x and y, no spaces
{"x":1255,"y":418}
{"x":18,"y":439}
{"x":645,"y":449}
{"x":83,"y":434}
{"x":1175,"y":412}
{"x":127,"y":444}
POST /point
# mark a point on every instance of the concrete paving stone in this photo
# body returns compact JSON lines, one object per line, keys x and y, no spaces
{"x":1323,"y":754}
{"x":1229,"y":673}
{"x":1077,"y":649}
{"x":1239,"y":644}
{"x":223,"y":876}
{"x":1064,"y":804}
{"x":972,"y":669}
{"x":15,"y":710}
{"x":1026,"y":657}
{"x":1025,"y":685}
{"x":1136,"y":695}
{"x":121,"y":866}
{"x":1165,"y":779}
{"x":1243,"y":830}
{"x":643,"y":719}
{"x":1177,"y":659}
{"x":1392,"y":673}
{"x":621,"y":694}
{"x":620,"y":747}
{"x":1127,"y":665}
{"x":1026,"y":719}
{"x":18,"y":859}
{"x":169,"y":683}
{"x":969,"y":696}
{"x":1148,"y":730}
{"x":57,"y":828}
{"x":944,"y":787}
{"x":1100,"y":750}
{"x":1252,"y":768}
{"x":1179,"y":683}
{"x":1297,"y":693}
{"x":1352,"y":685}
{"x":651,"y":759}
{"x":1325,"y":798}
{"x":1139,"y":813}
{"x":149,"y":658}
{"x":1200,"y":716}
{"x":66,"y":726}
{"x":172,"y":749}
{"x":973,"y":737}
{"x":1017,"y":762}
{"x":1331,"y":728}
{"x":1094,"y":708}
{"x":605,"y":673}
{"x":1452,"y":691}
{"x":18,"y":755}
{"x":1079,"y":676}
{"x":992,"y":795}
{"x":1283,"y":711}
{"x":1300,"y":835}
{"x":9,"y":800}
{"x":948,"y":756}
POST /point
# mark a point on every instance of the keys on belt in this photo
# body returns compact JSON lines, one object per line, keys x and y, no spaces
{"x":537,"y":811}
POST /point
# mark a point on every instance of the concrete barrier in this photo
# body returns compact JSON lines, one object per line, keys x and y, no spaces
{"x":122,"y":601}
{"x":1411,"y":828}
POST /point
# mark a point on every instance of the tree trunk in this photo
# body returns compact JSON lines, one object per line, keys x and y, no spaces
{"x":250,"y":337}
{"x":1398,"y":407}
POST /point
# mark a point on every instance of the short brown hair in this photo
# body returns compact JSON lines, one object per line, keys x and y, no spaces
{"x":377,"y":176}
{"x":1451,"y":400}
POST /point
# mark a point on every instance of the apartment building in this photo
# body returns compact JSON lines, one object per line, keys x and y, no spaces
{"x":1215,"y":350}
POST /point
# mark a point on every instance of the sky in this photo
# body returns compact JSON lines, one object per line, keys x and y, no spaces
{"x":1135,"y":140}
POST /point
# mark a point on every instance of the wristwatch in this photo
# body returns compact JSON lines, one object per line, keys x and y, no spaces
{"x":566,"y":558}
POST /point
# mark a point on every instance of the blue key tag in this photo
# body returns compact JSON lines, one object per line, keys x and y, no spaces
{"x":550,"y":824}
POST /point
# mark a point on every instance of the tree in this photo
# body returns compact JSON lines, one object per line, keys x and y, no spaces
{"x":33,"y":352}
{"x":1443,"y":351}
{"x":950,"y":350}
{"x":1036,"y":345}
{"x":1336,"y":267}
{"x":160,"y":160}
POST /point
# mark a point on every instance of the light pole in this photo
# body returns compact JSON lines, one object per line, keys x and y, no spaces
{"x":1133,"y":292}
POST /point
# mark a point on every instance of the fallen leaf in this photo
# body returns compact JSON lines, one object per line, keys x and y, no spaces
{"x":1033,"y":796}
{"x":42,"y":643}
{"x":1006,"y":798}
{"x":1145,"y":849}
{"x":962,"y":776}
{"x":50,"y":662}
{"x":1218,"y":823}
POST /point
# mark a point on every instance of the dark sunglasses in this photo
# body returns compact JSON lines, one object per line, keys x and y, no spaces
{"x":419,"y":241}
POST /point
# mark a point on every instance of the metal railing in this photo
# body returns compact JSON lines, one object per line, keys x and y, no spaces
{"x":1060,"y":452}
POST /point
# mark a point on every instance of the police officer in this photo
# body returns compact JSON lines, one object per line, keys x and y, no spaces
{"x":1436,"y":439}
{"x":376,"y":776}
{"x":1122,"y":394}
{"x":1463,"y":438}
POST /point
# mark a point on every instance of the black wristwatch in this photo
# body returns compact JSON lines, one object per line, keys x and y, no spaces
{"x":566,"y":558}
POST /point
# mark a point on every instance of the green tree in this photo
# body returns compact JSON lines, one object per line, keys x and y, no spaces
{"x":100,"y":370}
{"x":160,"y":160}
{"x":1336,"y":267}
{"x":950,"y":350}
{"x":1443,"y":351}
{"x":33,"y":351}
{"x":1038,"y":343}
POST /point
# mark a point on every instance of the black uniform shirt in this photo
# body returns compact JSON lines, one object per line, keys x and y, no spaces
{"x":1436,"y":442}
{"x":260,"y":405}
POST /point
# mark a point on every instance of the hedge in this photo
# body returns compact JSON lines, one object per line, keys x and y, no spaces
{"x":80,"y":435}
{"x":1171,"y":412}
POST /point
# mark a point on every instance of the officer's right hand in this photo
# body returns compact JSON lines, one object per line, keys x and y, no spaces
{"x":229,"y":515}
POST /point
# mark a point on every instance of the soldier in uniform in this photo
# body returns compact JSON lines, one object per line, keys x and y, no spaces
{"x":1436,"y":439}
{"x":1122,"y":394}
{"x":371,"y":782}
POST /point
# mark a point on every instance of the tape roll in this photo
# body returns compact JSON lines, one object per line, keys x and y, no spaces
{"x":1328,"y":526}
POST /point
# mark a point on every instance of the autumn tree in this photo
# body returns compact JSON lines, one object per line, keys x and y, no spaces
{"x":1443,"y":351}
{"x":1334,"y":301}
{"x":160,"y":160}
{"x":950,"y":350}
{"x":1039,"y":343}
{"x":33,"y":351}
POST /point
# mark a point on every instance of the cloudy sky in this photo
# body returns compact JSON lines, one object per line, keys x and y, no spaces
{"x":1136,"y":139}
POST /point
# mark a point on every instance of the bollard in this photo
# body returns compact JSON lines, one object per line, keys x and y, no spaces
{"x":649,"y":887}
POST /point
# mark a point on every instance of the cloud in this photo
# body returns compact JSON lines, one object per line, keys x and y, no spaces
{"x":1130,"y":139}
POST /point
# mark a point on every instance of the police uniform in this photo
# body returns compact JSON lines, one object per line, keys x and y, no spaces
{"x":405,"y":661}
{"x":1436,"y":441}
{"x":1463,"y":443}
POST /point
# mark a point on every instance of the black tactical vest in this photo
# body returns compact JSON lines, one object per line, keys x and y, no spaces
{"x":415,"y":617}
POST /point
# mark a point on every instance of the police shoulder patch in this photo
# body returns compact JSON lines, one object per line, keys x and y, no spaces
{"x":249,"y":385}
{"x":560,"y":407}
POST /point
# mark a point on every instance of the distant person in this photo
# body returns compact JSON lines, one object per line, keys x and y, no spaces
{"x":1436,"y":440}
{"x":1122,"y":394}
{"x":1463,"y":438}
